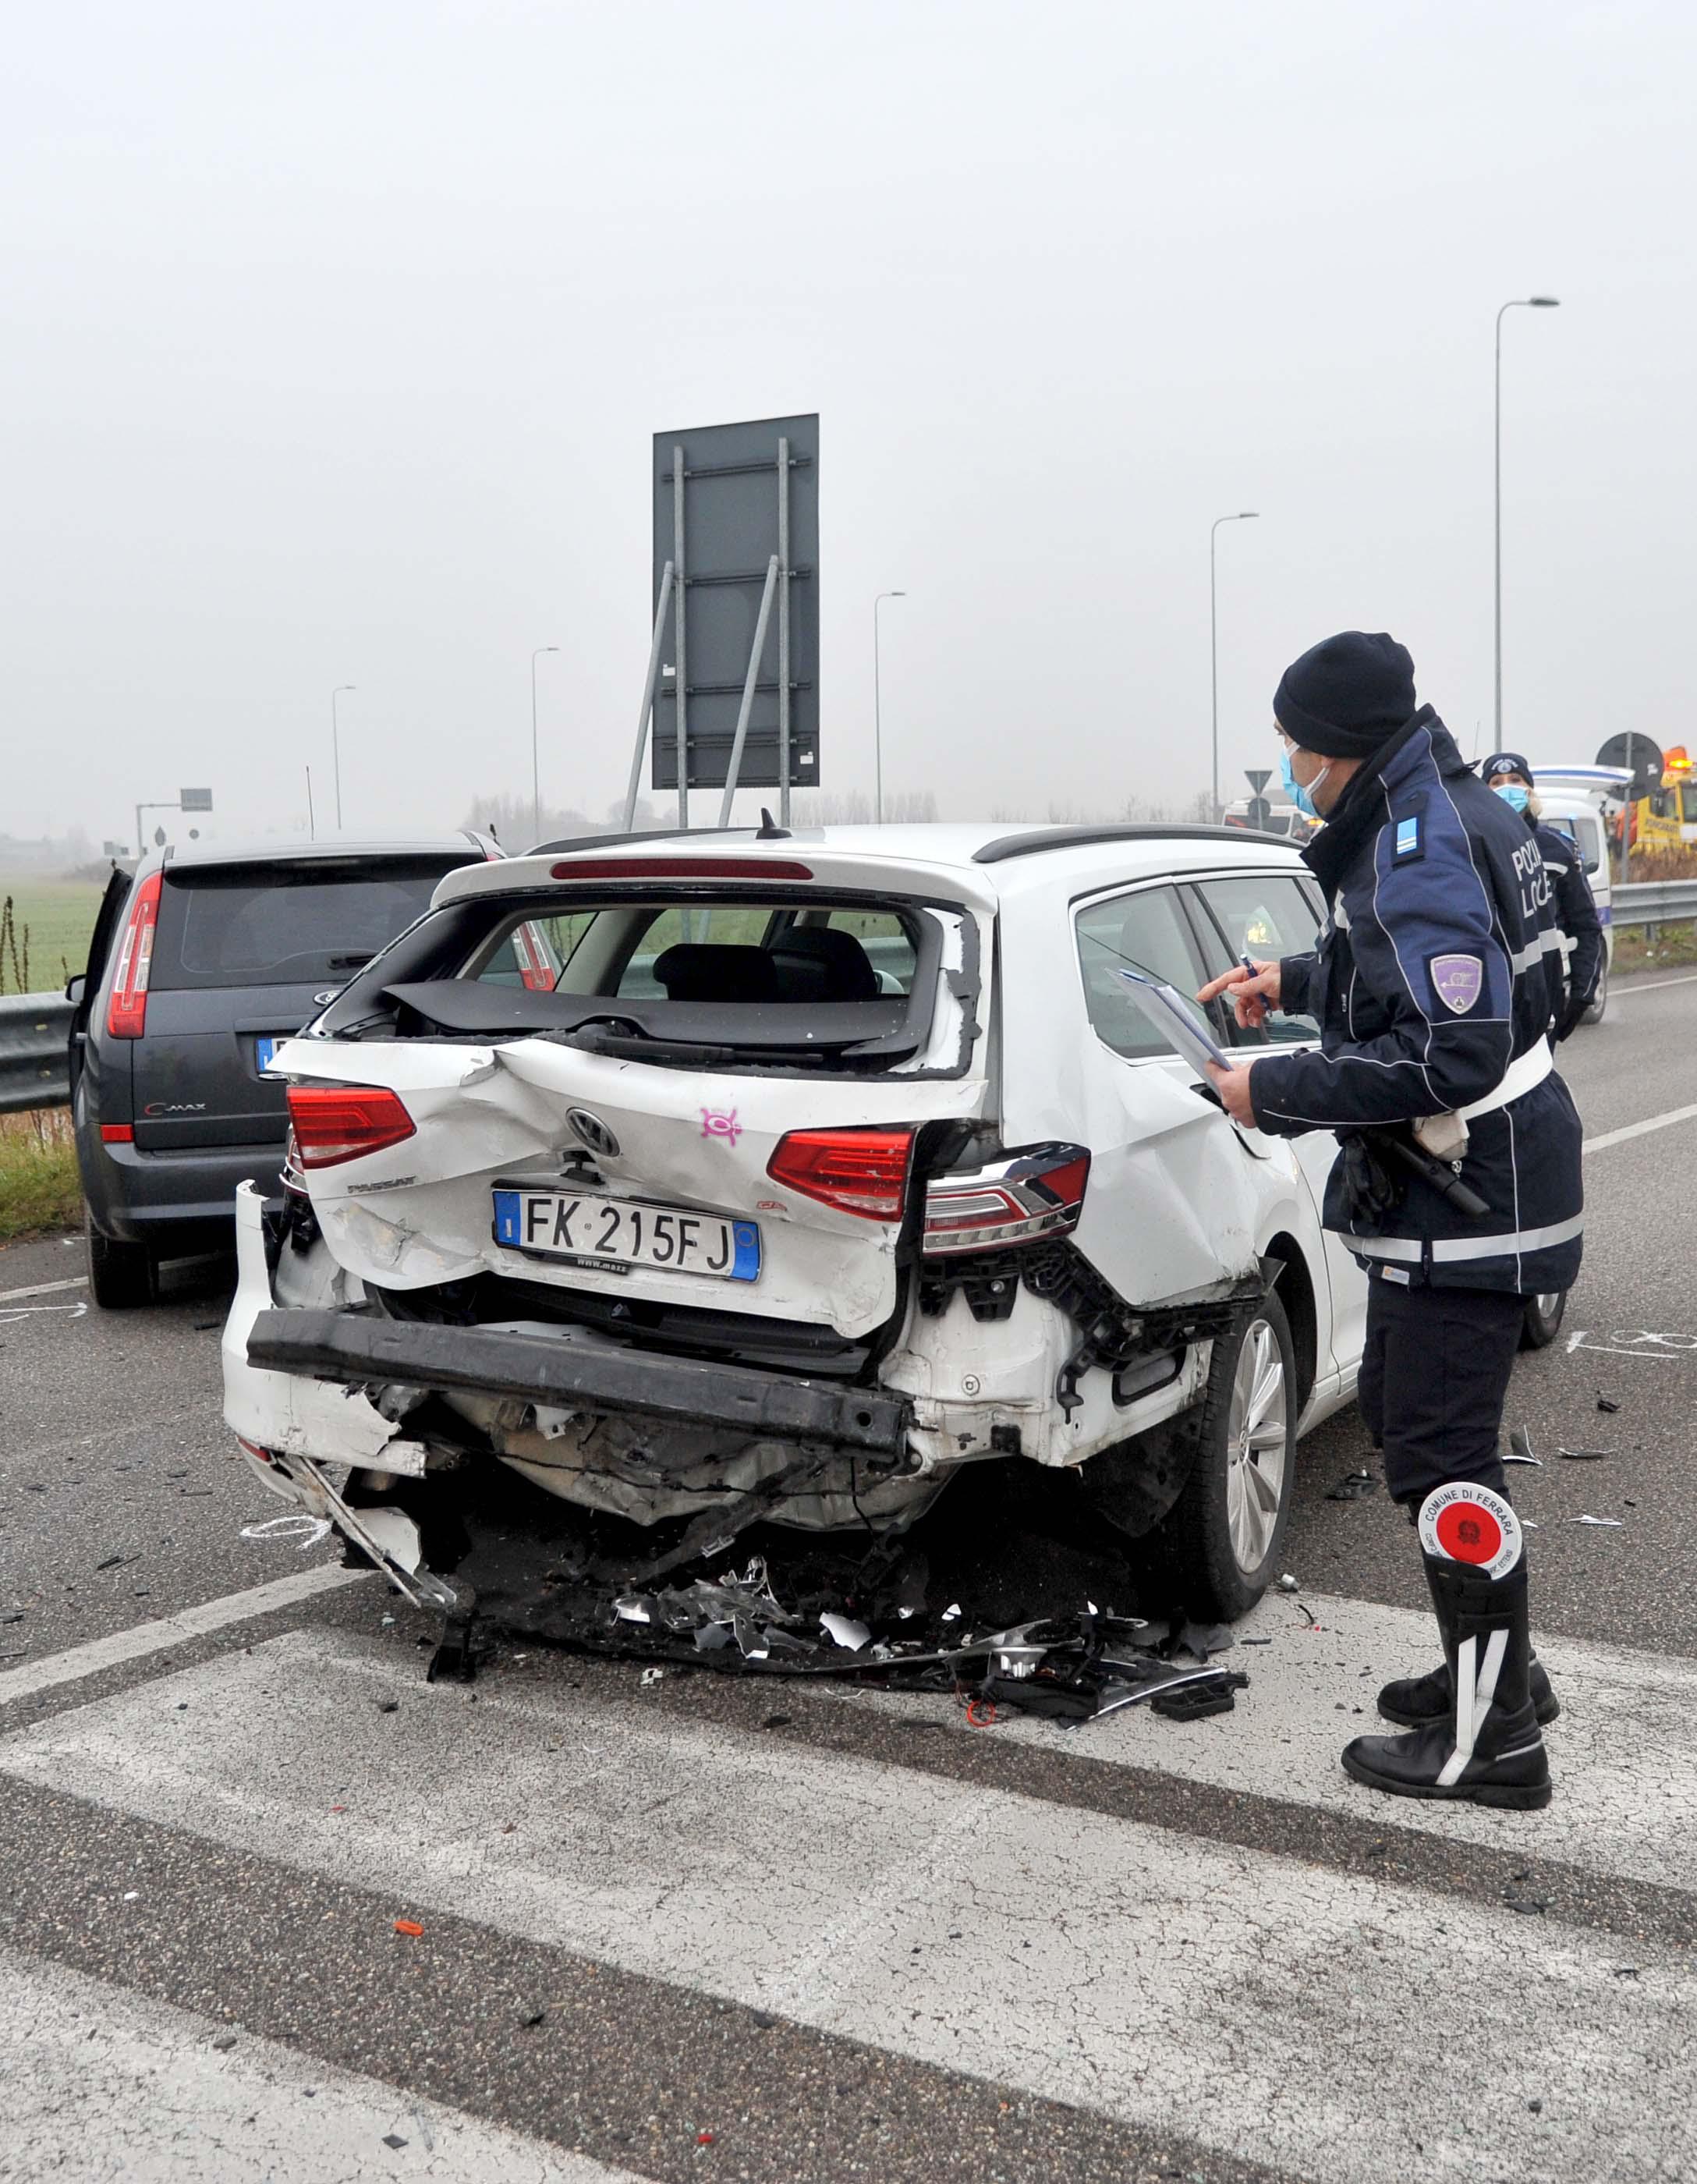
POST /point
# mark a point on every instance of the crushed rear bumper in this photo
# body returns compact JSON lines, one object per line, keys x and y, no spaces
{"x":568,"y":1369}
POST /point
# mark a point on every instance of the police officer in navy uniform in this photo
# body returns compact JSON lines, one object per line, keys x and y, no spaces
{"x":1429,"y":983}
{"x":1577,"y":963}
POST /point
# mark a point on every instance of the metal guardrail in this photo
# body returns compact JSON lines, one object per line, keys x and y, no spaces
{"x":34,"y":1057}
{"x":1655,"y":902}
{"x":35,"y":1028}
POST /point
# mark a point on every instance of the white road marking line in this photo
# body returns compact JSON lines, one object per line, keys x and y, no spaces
{"x":144,"y":1638}
{"x":1081,"y":1958}
{"x":1638,"y":1129}
{"x":1626,"y":993}
{"x":197,"y":2114}
{"x":44,"y":1289}
{"x":1611,"y":1814}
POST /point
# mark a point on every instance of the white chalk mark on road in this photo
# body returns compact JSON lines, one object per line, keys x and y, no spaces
{"x":145,"y":1638}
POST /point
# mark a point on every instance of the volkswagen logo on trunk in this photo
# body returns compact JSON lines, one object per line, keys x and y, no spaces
{"x":590,"y":1130}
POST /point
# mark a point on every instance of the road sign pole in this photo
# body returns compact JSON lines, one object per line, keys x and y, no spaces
{"x":755,"y":652}
{"x":648,"y":690}
{"x":783,"y":639}
{"x":679,"y":586}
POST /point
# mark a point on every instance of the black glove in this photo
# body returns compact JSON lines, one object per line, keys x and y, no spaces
{"x":1571,"y":1020}
{"x":1374,"y":1190}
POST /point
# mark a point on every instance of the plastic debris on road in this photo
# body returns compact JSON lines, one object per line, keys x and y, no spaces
{"x":1584,"y":1455}
{"x":1614,"y":1523}
{"x":1353,"y":1486}
{"x":408,"y":1926}
{"x":1520,"y":1448}
{"x":1288,"y":1583}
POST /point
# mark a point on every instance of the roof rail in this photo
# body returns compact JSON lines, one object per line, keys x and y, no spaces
{"x":1078,"y":838}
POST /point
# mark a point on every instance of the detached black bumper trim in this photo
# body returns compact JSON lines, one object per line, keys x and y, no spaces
{"x":564,"y":1370}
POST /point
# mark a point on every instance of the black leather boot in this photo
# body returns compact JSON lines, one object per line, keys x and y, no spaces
{"x":1423,"y":1701}
{"x":1487,"y":1748}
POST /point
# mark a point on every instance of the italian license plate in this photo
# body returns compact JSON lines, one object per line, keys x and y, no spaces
{"x":266,"y":1048}
{"x":621,"y":1233}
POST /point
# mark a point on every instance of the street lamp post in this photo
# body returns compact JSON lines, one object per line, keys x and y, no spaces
{"x":878,"y":711}
{"x":1514,"y":304}
{"x":535,"y":771}
{"x":336,"y":746}
{"x":1243,"y":515}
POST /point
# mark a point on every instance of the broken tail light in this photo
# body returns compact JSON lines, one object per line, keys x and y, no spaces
{"x":126,"y":1011}
{"x":1038,"y":1191}
{"x":863,"y":1171}
{"x":335,"y":1122}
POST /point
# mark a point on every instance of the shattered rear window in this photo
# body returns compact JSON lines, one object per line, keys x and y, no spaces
{"x":743,"y":976}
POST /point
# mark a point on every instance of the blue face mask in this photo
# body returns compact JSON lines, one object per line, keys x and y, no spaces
{"x":1302,"y":797}
{"x":1513,"y":795}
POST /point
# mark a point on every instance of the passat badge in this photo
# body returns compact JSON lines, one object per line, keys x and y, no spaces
{"x":1458,"y":981}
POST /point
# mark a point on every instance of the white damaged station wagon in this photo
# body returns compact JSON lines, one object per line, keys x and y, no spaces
{"x":662,"y":1186}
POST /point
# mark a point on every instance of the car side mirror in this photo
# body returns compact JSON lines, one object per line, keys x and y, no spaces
{"x":75,"y":987}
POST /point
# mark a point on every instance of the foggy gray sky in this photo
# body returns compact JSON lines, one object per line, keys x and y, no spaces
{"x":335,"y":337}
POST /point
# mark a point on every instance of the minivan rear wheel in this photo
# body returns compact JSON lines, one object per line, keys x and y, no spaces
{"x":1218,"y":1550}
{"x":120,"y":1276}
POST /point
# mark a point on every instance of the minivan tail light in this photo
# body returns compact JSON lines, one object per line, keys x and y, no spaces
{"x":1036,"y":1192}
{"x":530,"y":952}
{"x":336,"y":1123}
{"x":126,"y":1011}
{"x":861,"y":1172}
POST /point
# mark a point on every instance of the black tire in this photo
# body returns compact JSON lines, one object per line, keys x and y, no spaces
{"x":120,"y":1276}
{"x":1191,"y":1554}
{"x":1544,"y":1317}
{"x":1600,"y":997}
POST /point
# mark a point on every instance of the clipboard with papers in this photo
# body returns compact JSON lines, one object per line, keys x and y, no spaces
{"x":1175,"y":1023}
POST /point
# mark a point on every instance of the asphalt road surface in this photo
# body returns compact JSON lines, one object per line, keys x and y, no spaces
{"x":707,"y":1929}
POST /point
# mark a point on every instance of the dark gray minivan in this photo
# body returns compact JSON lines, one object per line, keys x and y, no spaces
{"x":202,"y":959}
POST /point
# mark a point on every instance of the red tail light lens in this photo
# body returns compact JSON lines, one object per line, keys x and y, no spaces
{"x":1024,"y":1196}
{"x":861,"y":1172}
{"x":530,"y":952}
{"x":336,"y":1123}
{"x":126,"y":1013}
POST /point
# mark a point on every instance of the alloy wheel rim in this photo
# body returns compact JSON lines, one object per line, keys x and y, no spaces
{"x":1257,"y":1450}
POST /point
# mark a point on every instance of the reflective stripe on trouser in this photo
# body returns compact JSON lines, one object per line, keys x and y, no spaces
{"x":1509,"y":1244}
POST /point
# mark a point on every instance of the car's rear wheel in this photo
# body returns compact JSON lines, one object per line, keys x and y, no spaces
{"x":1218,"y":1551}
{"x":120,"y":1276}
{"x":1544,"y":1317}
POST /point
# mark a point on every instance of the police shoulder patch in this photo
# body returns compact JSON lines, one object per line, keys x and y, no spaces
{"x":1457,"y":981}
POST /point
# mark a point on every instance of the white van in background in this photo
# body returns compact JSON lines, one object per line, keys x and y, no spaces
{"x":1575,"y":800}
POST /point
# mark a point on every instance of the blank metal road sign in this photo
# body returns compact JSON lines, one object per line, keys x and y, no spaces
{"x":748,"y":491}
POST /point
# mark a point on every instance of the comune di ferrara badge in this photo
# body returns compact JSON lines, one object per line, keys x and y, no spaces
{"x":1464,"y":1523}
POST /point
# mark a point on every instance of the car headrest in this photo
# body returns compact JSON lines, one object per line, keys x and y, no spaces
{"x":712,"y":970}
{"x":817,"y":963}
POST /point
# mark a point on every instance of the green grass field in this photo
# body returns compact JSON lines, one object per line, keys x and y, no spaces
{"x":46,"y":937}
{"x":40,"y":1190}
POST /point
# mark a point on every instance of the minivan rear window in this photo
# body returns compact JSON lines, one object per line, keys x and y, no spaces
{"x":316,"y":922}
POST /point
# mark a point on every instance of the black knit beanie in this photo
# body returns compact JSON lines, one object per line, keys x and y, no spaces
{"x":1345,"y":696}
